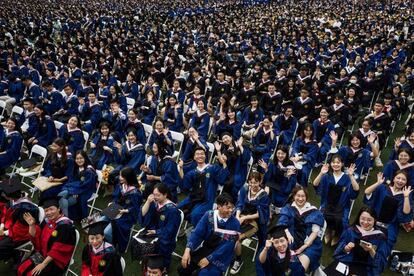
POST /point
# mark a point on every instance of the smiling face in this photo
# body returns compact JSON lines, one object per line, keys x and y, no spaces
{"x":300,"y":198}
{"x":226,"y":210}
{"x":403,"y":157}
{"x":280,"y":244}
{"x":366,"y":221}
{"x":281,"y":155}
{"x":96,"y":240}
{"x":308,"y":132}
{"x":336,"y":164}
{"x":324,"y":114}
{"x":227,"y":139}
{"x":131,"y":137}
{"x":10,"y":125}
{"x":254,"y":185}
{"x":73,"y":122}
{"x":52,"y":213}
{"x":159,"y":197}
{"x":200,"y":157}
{"x":400,"y":181}
{"x":355,"y":143}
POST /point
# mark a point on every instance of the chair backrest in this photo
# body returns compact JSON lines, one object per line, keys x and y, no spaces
{"x":2,"y":104}
{"x":181,"y":222}
{"x":123,"y":264}
{"x":322,"y":231}
{"x":39,"y":150}
{"x":99,"y":175}
{"x":58,"y":124}
{"x":72,"y":261}
{"x":41,"y":214}
{"x":179,"y":138}
{"x":210,"y":151}
{"x":17,"y":110}
{"x":147,"y":129}
{"x":86,"y":138}
{"x":130,"y":102}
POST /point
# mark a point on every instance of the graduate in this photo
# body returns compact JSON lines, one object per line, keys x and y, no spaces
{"x":11,"y":145}
{"x":356,"y":153}
{"x":162,"y":135}
{"x":131,"y":154}
{"x":303,"y":107}
{"x":336,"y":189}
{"x":218,"y":232}
{"x":99,"y":257}
{"x":148,"y":108}
{"x":338,"y":114}
{"x":52,"y":98}
{"x":264,"y":140}
{"x":162,"y":168}
{"x":400,"y":143}
{"x":380,"y":122}
{"x":192,"y":99}
{"x":58,"y":166}
{"x":201,"y":120}
{"x":228,"y":123}
{"x":401,"y":163}
{"x":70,"y":107}
{"x":202,"y":183}
{"x":322,"y":128}
{"x":90,"y":112}
{"x":129,"y":197}
{"x":393,"y":203}
{"x":192,"y":142}
{"x":102,"y":147}
{"x":117,"y":120}
{"x":251,"y":117}
{"x":280,"y":176}
{"x":173,"y":114}
{"x":45,"y":131}
{"x":72,"y":134}
{"x":252,"y":211}
{"x":285,"y":126}
{"x":276,"y":258}
{"x":238,"y":157}
{"x":161,"y":219}
{"x":303,"y":227}
{"x":155,"y":266}
{"x":79,"y":188}
{"x":304,"y":154}
{"x":363,"y":247}
{"x":54,"y":243}
{"x":134,"y":122}
{"x":13,"y":228}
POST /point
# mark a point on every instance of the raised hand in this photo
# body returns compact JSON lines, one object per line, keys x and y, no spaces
{"x":380,"y":177}
{"x":217,"y":146}
{"x":325,"y":168}
{"x":333,"y":135}
{"x":351,"y":169}
{"x":263,"y":164}
{"x":406,"y":191}
{"x":371,"y":138}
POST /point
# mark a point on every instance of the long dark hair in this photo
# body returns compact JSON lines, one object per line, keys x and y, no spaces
{"x":53,"y":156}
{"x":306,"y":126}
{"x":285,"y":149}
{"x":130,"y":176}
{"x":85,"y":165}
{"x":163,"y":189}
{"x":16,"y":125}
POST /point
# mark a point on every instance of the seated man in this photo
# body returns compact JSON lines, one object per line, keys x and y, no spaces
{"x":54,"y":243}
{"x":218,"y":232}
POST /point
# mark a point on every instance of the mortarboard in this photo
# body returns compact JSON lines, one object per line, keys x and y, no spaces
{"x":96,"y":228}
{"x":278,"y":232}
{"x":156,"y":262}
{"x":11,"y":187}
{"x":49,"y":202}
{"x":112,"y":211}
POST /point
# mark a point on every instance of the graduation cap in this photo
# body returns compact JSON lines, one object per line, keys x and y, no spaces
{"x":278,"y":232}
{"x":112,"y":211}
{"x":96,"y":228}
{"x":49,"y":202}
{"x":155,"y":262}
{"x":12,"y":187}
{"x":28,"y":163}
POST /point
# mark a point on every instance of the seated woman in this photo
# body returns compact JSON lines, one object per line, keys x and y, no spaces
{"x":304,"y":153}
{"x":148,"y":108}
{"x":98,"y":256}
{"x":280,"y":176}
{"x":129,"y":197}
{"x":45,"y":129}
{"x":173,"y":114}
{"x":79,"y":188}
{"x":277,"y":259}
{"x":402,"y":163}
{"x":11,"y":146}
{"x":303,"y":223}
{"x":392,"y":203}
{"x":337,"y":190}
{"x":201,"y":120}
{"x":72,"y":134}
{"x":134,"y":122}
{"x":57,"y":168}
{"x":252,"y":211}
{"x":54,"y":243}
{"x":322,"y":128}
{"x":356,"y":152}
{"x":251,"y":117}
{"x":102,"y":147}
{"x":362,"y":247}
{"x":228,"y":123}
{"x":161,"y":168}
{"x":192,"y":101}
{"x":407,"y":143}
{"x":263,"y":140}
{"x":285,"y":126}
{"x":238,"y":157}
{"x":161,"y":219}
{"x":161,"y":134}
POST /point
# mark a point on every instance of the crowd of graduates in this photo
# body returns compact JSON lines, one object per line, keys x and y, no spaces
{"x":204,"y":120}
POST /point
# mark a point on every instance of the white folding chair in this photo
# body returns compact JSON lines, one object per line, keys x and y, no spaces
{"x":130,"y":102}
{"x":179,"y":139}
{"x":72,"y":261}
{"x":210,"y":151}
{"x":246,"y":243}
{"x":86,"y":138}
{"x":123,"y":264}
{"x":147,"y":129}
{"x":58,"y":125}
{"x":178,"y":231}
{"x":16,"y":110}
{"x":95,"y":195}
{"x":42,"y":152}
{"x":14,"y":166}
{"x":3,"y":109}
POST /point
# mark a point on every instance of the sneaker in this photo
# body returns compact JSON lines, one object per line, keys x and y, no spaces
{"x":237,"y":264}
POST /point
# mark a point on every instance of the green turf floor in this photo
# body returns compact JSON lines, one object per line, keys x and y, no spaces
{"x":405,"y":240}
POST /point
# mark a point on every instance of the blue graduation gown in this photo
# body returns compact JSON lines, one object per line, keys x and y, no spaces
{"x":361,"y":159}
{"x":261,"y":202}
{"x":375,"y":265}
{"x":280,"y":185}
{"x":45,"y":132}
{"x":121,"y":227}
{"x":234,"y":129}
{"x":404,"y":145}
{"x":74,"y":138}
{"x":173,"y":118}
{"x":252,"y":117}
{"x":290,"y":217}
{"x":286,"y":128}
{"x":309,"y":152}
{"x":101,"y":157}
{"x":91,"y":115}
{"x":139,"y":130}
{"x":160,"y":137}
{"x":132,"y":156}
{"x":221,"y":257}
{"x":117,"y":122}
{"x":238,"y":168}
{"x":263,"y":145}
{"x":57,"y":172}
{"x":83,"y":185}
{"x":167,"y":170}
{"x":71,"y":105}
{"x":34,"y":92}
{"x":201,"y":123}
{"x":56,"y":102}
{"x":273,"y":259}
{"x":381,"y":201}
{"x":214,"y":175}
{"x":321,"y":134}
{"x":392,"y":167}
{"x":131,"y":90}
{"x":11,"y":146}
{"x":166,"y":222}
{"x":342,"y":200}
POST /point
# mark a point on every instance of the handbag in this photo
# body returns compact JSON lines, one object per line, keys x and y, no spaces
{"x":143,"y":245}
